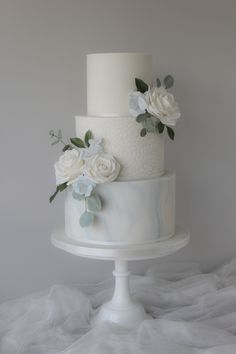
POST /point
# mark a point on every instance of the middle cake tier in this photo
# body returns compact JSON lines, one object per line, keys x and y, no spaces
{"x":139,"y":157}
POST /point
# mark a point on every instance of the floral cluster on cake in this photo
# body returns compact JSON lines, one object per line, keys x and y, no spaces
{"x":83,"y":165}
{"x":154,"y":107}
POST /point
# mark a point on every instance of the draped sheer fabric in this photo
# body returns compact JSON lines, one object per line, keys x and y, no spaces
{"x":193,"y":313}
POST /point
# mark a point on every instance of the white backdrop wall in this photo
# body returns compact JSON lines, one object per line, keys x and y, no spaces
{"x":43,"y":45}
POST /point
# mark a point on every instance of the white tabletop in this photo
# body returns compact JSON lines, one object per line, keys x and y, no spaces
{"x":131,"y":252}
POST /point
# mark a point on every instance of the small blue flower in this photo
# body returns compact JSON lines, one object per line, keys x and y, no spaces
{"x":95,"y":147}
{"x":138,"y":103}
{"x":84,"y":186}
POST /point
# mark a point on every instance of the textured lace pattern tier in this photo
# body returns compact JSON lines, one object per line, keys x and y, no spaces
{"x":140,"y":157}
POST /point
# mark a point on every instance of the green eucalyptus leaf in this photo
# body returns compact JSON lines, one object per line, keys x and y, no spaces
{"x":168,"y":81}
{"x":149,"y":125}
{"x":160,"y":127}
{"x":77,"y":196}
{"x":77,"y":142}
{"x":94,"y":203}
{"x":143,"y":132}
{"x":158,"y":81}
{"x":55,"y":142}
{"x":62,"y":186}
{"x":59,"y":134}
{"x":141,"y":85}
{"x":67,"y":147}
{"x":141,"y":117}
{"x":87,"y":137}
{"x":86,"y":219}
{"x":59,"y":188}
{"x":53,"y":195}
{"x":171,"y":133}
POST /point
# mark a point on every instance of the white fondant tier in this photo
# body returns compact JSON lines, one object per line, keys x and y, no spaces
{"x":110,"y":79}
{"x":140,"y":157}
{"x":134,"y":212}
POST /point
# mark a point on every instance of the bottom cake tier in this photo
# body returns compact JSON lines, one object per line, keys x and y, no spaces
{"x":133,"y":212}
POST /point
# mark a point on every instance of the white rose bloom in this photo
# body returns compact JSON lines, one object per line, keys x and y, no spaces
{"x":102,"y":168}
{"x":69,"y":167}
{"x":163,"y":106}
{"x":95,"y":147}
{"x":138,"y":103}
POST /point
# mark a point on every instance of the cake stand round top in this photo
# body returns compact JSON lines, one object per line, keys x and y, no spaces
{"x":125,"y":252}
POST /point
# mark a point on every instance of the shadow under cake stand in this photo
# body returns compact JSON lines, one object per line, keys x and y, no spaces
{"x":121,"y":309}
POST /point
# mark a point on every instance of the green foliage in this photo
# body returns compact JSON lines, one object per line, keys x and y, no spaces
{"x":58,"y":136}
{"x":51,"y":133}
{"x":171,"y":133}
{"x":158,"y":82}
{"x":143,"y":132}
{"x":59,"y":188}
{"x":62,"y":186}
{"x":86,"y":219}
{"x":67,"y":147}
{"x":141,"y":117}
{"x":94,"y":203}
{"x":152,"y":124}
{"x":77,"y":142}
{"x":55,"y":142}
{"x":160,"y":127}
{"x":168,"y":81}
{"x":149,"y":124}
{"x":52,"y":197}
{"x":77,"y":196}
{"x":141,"y":85}
{"x":87,"y":137}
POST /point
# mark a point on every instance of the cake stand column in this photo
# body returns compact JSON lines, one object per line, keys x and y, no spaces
{"x":122,"y":309}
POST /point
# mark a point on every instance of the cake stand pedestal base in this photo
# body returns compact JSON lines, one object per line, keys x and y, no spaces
{"x":121,"y":309}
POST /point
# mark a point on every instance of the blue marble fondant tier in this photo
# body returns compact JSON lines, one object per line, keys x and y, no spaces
{"x":134,"y":212}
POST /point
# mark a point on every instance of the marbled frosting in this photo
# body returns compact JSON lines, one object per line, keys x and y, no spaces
{"x":134,"y":212}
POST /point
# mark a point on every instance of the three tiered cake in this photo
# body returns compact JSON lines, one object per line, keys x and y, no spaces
{"x":139,"y":206}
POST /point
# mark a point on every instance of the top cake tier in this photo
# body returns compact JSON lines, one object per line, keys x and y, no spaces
{"x":110,"y":79}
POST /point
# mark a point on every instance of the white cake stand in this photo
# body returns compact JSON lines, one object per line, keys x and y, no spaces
{"x":121,"y":309}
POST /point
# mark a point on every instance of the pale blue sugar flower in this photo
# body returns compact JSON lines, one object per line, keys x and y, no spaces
{"x":84,"y":186}
{"x":95,"y":147}
{"x":138,"y":103}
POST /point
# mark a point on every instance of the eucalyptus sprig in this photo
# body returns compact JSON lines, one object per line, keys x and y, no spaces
{"x":59,"y":139}
{"x":150,"y":123}
{"x":80,"y":143}
{"x":60,"y":188}
{"x":93,"y":204}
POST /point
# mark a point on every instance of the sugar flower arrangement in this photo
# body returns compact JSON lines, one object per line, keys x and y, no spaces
{"x":154,"y":107}
{"x":83,"y":165}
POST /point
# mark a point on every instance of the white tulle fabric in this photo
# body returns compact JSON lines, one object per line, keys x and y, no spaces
{"x":194,"y":313}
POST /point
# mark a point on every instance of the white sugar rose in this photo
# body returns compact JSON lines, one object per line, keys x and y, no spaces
{"x":138,"y":103}
{"x":102,"y":168}
{"x":69,"y":167}
{"x":163,"y":106}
